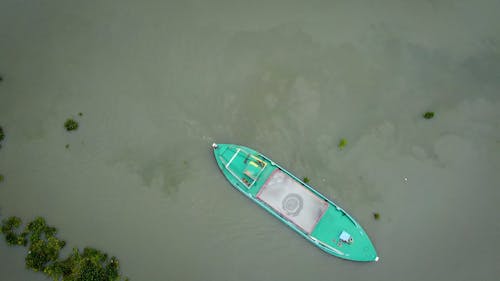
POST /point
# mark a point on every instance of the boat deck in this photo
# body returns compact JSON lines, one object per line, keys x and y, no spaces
{"x":292,"y":200}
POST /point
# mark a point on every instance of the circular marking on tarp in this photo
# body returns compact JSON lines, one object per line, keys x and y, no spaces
{"x":292,"y":204}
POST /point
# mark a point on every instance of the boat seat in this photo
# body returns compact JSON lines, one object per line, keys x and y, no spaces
{"x":259,"y":162}
{"x":249,"y":174}
{"x":252,"y":169}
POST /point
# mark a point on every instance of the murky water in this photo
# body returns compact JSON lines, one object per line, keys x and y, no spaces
{"x":158,"y":82}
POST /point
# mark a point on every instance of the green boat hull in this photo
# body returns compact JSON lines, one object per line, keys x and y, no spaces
{"x":295,"y":203}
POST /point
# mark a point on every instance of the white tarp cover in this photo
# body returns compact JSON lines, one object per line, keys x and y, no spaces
{"x":292,"y":200}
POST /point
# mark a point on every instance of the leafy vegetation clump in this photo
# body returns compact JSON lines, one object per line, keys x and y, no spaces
{"x":70,"y":125}
{"x":305,"y":180}
{"x":10,"y":223}
{"x":2,"y":134}
{"x":44,"y":249}
{"x":91,"y":264}
{"x":429,"y":115}
{"x":43,"y":253}
{"x":342,"y":143}
{"x":376,"y":216}
{"x":9,"y":227}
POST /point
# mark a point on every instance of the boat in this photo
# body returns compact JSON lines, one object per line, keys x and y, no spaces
{"x":294,"y":202}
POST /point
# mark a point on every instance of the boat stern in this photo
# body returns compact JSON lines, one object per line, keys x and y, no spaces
{"x":338,"y":234}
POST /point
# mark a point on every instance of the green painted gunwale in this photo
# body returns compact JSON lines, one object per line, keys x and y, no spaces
{"x":326,"y":232}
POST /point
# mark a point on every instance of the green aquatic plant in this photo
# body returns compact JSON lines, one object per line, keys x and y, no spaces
{"x":376,"y":216}
{"x":305,"y":180}
{"x":91,"y":264}
{"x":9,"y":227}
{"x":70,"y":124}
{"x":12,"y":239}
{"x":10,"y":224}
{"x":2,"y":134}
{"x":37,"y":227}
{"x":44,"y":246}
{"x":80,"y":114}
{"x":342,"y":143}
{"x":1,"y":178}
{"x":44,"y":250}
{"x":67,"y":146}
{"x":428,"y":115}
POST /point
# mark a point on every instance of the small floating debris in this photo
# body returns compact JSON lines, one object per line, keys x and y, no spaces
{"x":70,"y":124}
{"x":80,"y":114}
{"x":1,"y":178}
{"x":342,"y":143}
{"x":305,"y":180}
{"x":67,"y":146}
{"x":429,"y":115}
{"x":376,"y":216}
